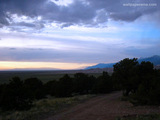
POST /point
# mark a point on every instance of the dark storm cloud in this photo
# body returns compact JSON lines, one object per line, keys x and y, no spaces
{"x":86,"y":12}
{"x":118,"y":11}
{"x":3,"y":19}
{"x":76,"y":13}
{"x":35,"y":25}
{"x":25,"y":24}
{"x":22,"y":7}
{"x":127,"y":16}
{"x":66,"y":25}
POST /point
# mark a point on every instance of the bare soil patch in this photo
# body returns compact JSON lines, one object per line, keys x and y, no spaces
{"x":105,"y":107}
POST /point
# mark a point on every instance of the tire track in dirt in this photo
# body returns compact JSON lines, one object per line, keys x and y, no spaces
{"x":105,"y":107}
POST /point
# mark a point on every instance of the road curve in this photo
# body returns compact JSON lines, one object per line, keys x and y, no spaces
{"x":105,"y":107}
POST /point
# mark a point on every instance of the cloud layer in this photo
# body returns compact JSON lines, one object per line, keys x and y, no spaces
{"x":78,"y":12}
{"x":78,"y":31}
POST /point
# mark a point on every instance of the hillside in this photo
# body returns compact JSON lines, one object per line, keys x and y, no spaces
{"x":101,"y":65}
{"x":153,"y":59}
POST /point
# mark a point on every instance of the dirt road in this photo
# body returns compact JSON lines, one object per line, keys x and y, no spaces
{"x":106,"y":107}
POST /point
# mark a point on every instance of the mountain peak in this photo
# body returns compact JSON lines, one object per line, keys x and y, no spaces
{"x":155,"y":59}
{"x":155,"y":56}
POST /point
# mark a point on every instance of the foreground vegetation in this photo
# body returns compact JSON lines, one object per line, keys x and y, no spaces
{"x":140,"y":84}
{"x":44,"y":107}
{"x":44,"y":76}
{"x":19,"y":95}
{"x":141,"y":117}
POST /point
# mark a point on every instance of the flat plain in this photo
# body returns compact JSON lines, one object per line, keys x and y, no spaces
{"x":48,"y":75}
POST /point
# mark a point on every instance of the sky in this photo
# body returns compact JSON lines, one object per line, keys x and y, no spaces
{"x":73,"y":34}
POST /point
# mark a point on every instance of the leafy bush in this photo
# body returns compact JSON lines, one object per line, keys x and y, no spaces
{"x":34,"y":88}
{"x":103,"y":84}
{"x":64,"y":86}
{"x":13,"y":96}
{"x":141,"y":82}
{"x":43,"y":108}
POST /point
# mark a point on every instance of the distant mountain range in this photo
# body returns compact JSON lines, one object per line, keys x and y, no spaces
{"x":154,"y":59}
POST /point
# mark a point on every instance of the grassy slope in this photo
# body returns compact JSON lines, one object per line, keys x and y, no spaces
{"x":43,"y":108}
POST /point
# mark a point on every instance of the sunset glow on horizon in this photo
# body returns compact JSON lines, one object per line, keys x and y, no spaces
{"x":11,"y":65}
